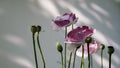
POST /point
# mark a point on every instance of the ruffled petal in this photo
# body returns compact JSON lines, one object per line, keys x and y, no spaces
{"x":64,"y":21}
{"x":79,"y":34}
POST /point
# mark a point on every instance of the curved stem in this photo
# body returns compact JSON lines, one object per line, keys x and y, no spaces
{"x":62,"y":60}
{"x":70,"y":60}
{"x":35,"y":55}
{"x":65,"y":48}
{"x":42,"y":57}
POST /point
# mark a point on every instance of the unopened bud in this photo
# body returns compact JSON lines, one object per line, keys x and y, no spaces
{"x":88,"y":40}
{"x":110,"y":49}
{"x":38,"y":28}
{"x":102,"y":46}
{"x":59,"y":47}
{"x":33,"y":29}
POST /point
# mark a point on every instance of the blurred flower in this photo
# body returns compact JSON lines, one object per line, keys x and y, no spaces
{"x":79,"y":34}
{"x":93,"y":47}
{"x":63,"y":21}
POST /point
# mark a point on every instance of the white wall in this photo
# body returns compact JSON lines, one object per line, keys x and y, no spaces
{"x":17,"y":16}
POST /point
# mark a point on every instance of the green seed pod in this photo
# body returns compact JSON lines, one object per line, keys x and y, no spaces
{"x":59,"y":47}
{"x":88,"y":40}
{"x":110,"y":49}
{"x":38,"y":28}
{"x":33,"y":29}
{"x":102,"y":46}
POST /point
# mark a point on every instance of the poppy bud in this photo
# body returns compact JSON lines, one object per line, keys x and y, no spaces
{"x":110,"y":49}
{"x":88,"y":40}
{"x":33,"y":29}
{"x":102,"y":46}
{"x":38,"y":28}
{"x":59,"y":47}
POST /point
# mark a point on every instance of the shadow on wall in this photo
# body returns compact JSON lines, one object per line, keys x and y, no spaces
{"x":103,"y":15}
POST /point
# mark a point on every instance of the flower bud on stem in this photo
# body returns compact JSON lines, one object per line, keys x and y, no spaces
{"x":38,"y":28}
{"x":102,"y":47}
{"x":88,"y":40}
{"x":110,"y":51}
{"x":34,"y":30}
{"x":42,"y":57}
{"x":60,"y":49}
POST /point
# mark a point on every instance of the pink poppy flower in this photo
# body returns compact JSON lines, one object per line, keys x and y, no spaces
{"x":63,"y":21}
{"x":79,"y":34}
{"x":93,"y":47}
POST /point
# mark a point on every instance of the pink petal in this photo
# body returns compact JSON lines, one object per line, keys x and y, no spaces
{"x":93,"y":47}
{"x":78,"y":34}
{"x":65,"y":20}
{"x":61,"y":23}
{"x":55,"y":27}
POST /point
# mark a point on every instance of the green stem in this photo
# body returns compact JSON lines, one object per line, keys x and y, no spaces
{"x":65,"y":56}
{"x":42,"y":57}
{"x":82,"y":61}
{"x":101,"y":58}
{"x":70,"y":60}
{"x":62,"y":60}
{"x":65,"y":48}
{"x":88,"y":55}
{"x":74,"y":58}
{"x":35,"y":55}
{"x":110,"y":60}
